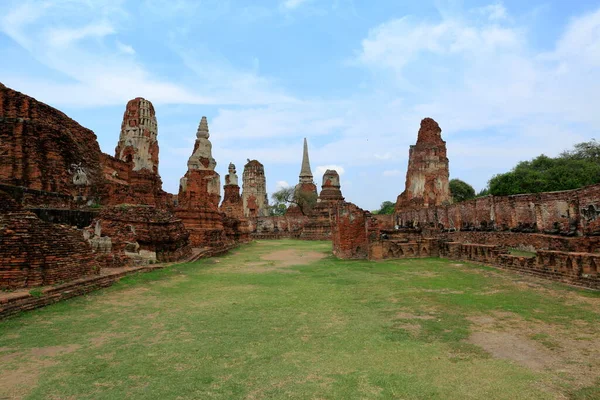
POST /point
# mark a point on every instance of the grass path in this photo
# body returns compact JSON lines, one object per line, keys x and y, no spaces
{"x":284,"y":319}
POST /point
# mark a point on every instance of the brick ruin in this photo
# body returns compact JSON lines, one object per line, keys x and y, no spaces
{"x":560,"y":227}
{"x":138,"y":142}
{"x":427,"y":176}
{"x":200,"y":194}
{"x":309,"y":224}
{"x":318,"y":226}
{"x":123,"y":234}
{"x":35,"y":253}
{"x":237,"y":227}
{"x":52,"y":168}
{"x":306,"y":183}
{"x":254,"y":190}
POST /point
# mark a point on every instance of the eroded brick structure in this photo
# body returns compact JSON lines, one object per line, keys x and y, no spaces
{"x":427,"y":175}
{"x":306,"y":183}
{"x":35,"y":253}
{"x":318,"y":226}
{"x":200,"y":193}
{"x":131,"y":176}
{"x":138,"y":142}
{"x":561,"y":227}
{"x":53,"y":166}
{"x":128,"y":232}
{"x":44,"y":150}
{"x":254,"y":190}
{"x":236,"y":226}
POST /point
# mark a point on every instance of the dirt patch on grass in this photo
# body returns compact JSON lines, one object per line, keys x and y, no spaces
{"x":405,"y":315}
{"x":17,"y":382}
{"x":516,"y":348}
{"x":573,"y":355}
{"x":53,"y":351}
{"x":286,"y":258}
{"x":129,"y":298}
{"x":276,"y":261}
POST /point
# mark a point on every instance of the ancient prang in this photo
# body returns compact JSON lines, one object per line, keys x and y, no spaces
{"x":428,"y":172}
{"x":318,"y":226}
{"x":138,"y":139}
{"x":254,"y":190}
{"x":236,"y":225}
{"x":306,"y":183}
{"x":200,"y":193}
{"x":132,"y":175}
{"x":330,"y":189}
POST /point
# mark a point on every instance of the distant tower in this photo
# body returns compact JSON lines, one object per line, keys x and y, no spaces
{"x":427,"y":175}
{"x":306,"y":177}
{"x":138,"y":139}
{"x":254,"y":190}
{"x":201,"y":182}
{"x":330,"y":190}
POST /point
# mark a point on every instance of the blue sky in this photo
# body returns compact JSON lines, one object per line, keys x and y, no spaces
{"x":506,"y":80}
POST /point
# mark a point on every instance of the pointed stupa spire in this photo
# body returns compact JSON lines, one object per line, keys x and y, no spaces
{"x":203,"y":129}
{"x":305,"y":172}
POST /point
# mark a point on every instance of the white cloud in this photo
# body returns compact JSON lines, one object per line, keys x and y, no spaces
{"x":125,"y":48}
{"x":293,"y":4}
{"x":321,"y":169}
{"x":281,"y":185}
{"x":70,"y":37}
{"x":494,"y":12}
{"x":64,"y":37}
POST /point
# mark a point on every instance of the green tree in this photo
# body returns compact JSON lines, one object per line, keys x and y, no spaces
{"x":387,"y":207}
{"x":277,"y":209}
{"x":584,"y":151}
{"x":570,"y":170}
{"x":289,"y":195}
{"x":483,"y":192}
{"x":461,"y":190}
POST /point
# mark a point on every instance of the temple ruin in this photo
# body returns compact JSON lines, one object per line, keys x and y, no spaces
{"x":254,"y":190}
{"x":560,"y":227}
{"x":68,"y":212}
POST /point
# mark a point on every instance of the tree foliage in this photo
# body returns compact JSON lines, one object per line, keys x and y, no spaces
{"x":461,"y":190}
{"x":570,"y":170}
{"x":291,"y":196}
{"x":277,"y":209}
{"x":387,"y":207}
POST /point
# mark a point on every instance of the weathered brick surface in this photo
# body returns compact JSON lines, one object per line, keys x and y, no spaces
{"x":123,"y":185}
{"x":237,"y":227}
{"x":200,"y":193}
{"x":580,"y":269}
{"x":318,"y":226}
{"x":353,"y":230}
{"x":35,"y":253}
{"x":278,"y":227}
{"x":153,"y":230}
{"x":566,"y":213}
{"x":427,"y":175}
{"x":43,"y":149}
{"x":254,"y":190}
{"x":138,"y":142}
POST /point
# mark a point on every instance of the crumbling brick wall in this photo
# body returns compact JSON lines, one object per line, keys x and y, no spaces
{"x":35,"y":253}
{"x":566,"y":213}
{"x":143,"y":228}
{"x":43,"y":149}
{"x":352,"y":232}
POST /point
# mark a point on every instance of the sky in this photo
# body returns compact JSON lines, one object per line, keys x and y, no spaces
{"x":505,"y":80}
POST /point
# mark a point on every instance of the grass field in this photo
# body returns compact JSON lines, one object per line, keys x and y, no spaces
{"x":284,"y":319}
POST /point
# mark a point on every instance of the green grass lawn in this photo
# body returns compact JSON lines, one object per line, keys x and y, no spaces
{"x":284,"y":319}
